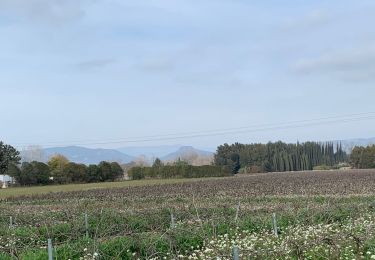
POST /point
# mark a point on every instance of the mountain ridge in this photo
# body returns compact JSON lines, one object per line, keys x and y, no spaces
{"x":167,"y":153}
{"x":77,"y":154}
{"x":185,"y":151}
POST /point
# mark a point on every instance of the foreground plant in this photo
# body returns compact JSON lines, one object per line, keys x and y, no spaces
{"x":353,"y":239}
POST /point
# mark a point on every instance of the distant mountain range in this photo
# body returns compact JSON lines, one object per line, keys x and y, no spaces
{"x":186,"y":153}
{"x":167,"y":153}
{"x":149,"y":151}
{"x":87,"y":155}
{"x":122,"y":155}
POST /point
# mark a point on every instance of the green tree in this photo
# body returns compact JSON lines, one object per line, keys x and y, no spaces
{"x":363,"y":157}
{"x":74,"y":172}
{"x":8,"y":155}
{"x":136,"y":173}
{"x":157,"y":167}
{"x":235,"y":166}
{"x":57,"y":163}
{"x":105,"y":171}
{"x":157,"y":163}
{"x":116,"y":171}
{"x":26,"y":176}
{"x":33,"y":173}
{"x":93,"y":174}
{"x":355,"y":157}
{"x":180,"y":162}
{"x":278,"y":156}
{"x":42,"y":172}
{"x":14,"y":171}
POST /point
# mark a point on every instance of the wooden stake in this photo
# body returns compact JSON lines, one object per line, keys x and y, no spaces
{"x":87,"y":225}
{"x":274,"y":222}
{"x":173,"y":224}
{"x":237,"y":211}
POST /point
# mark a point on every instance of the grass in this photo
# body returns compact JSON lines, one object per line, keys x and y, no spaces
{"x":39,"y":190}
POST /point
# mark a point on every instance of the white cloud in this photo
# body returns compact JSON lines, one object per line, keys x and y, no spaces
{"x":313,"y":19}
{"x":354,"y":64}
{"x":94,"y":64}
{"x":53,"y":12}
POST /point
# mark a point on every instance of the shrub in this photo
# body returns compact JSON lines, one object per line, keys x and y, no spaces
{"x":181,"y":171}
{"x":322,"y":168}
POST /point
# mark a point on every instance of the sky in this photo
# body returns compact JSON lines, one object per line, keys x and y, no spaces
{"x":98,"y":72}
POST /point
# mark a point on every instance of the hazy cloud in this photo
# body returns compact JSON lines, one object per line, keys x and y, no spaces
{"x":158,"y":65}
{"x":310,"y":20}
{"x":94,"y":64}
{"x":353,"y":64}
{"x":53,"y":12}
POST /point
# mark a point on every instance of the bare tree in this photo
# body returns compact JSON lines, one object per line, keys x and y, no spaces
{"x":141,"y":161}
{"x":32,"y":153}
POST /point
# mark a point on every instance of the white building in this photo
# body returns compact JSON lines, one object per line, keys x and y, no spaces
{"x":5,"y":180}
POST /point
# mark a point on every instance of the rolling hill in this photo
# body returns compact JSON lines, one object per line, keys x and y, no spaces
{"x":87,"y":155}
{"x":187,"y":153}
{"x":149,"y":151}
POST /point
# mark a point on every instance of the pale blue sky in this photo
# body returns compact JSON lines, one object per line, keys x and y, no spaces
{"x":77,"y":70}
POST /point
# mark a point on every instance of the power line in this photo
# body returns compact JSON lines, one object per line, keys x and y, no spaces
{"x":232,"y":132}
{"x":226,"y":131}
{"x":207,"y":131}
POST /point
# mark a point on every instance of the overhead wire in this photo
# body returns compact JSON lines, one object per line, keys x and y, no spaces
{"x":220,"y":132}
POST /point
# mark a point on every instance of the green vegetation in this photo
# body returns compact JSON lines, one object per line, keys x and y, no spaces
{"x":60,"y":171}
{"x":320,"y":214}
{"x":323,"y":168}
{"x":180,"y":170}
{"x":8,"y":156}
{"x":40,"y":190}
{"x":278,"y":157}
{"x":363,"y":157}
{"x":339,"y":166}
{"x":324,"y":215}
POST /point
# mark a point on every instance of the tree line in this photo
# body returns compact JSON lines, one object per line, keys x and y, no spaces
{"x":179,"y":169}
{"x":363,"y":157}
{"x":229,"y":159}
{"x":64,"y":172}
{"x":8,"y":156}
{"x":58,"y":170}
{"x":279,"y":156}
